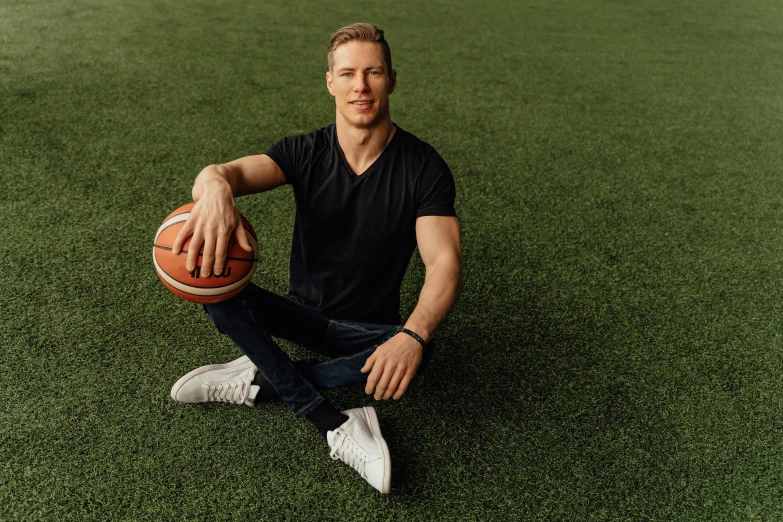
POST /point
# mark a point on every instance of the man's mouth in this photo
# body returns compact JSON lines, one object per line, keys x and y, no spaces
{"x":362,"y":103}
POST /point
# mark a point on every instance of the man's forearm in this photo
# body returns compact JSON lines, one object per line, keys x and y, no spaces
{"x":442,"y":286}
{"x":248,"y":175}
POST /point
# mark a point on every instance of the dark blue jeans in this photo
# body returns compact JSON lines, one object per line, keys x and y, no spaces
{"x":254,"y":316}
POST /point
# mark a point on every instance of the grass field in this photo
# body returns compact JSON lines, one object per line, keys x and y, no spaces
{"x":617,"y":351}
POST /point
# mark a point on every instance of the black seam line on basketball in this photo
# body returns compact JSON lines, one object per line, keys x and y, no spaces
{"x":201,"y":255}
{"x":252,"y":234}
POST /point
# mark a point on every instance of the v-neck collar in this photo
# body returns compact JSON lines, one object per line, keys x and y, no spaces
{"x":373,"y":165}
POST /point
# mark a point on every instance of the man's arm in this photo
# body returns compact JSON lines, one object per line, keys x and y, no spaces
{"x":215,"y":217}
{"x":441,"y":251}
{"x":395,"y":363}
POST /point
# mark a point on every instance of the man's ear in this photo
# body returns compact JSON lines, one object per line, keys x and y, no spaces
{"x":393,"y":78}
{"x":329,"y":83}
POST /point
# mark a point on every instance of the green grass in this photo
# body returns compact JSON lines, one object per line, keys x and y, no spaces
{"x":616,"y":354}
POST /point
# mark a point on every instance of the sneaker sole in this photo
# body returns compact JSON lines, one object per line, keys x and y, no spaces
{"x":375,"y":427}
{"x":235,"y":363}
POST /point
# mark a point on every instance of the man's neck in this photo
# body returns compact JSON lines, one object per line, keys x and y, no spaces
{"x":362,"y":145}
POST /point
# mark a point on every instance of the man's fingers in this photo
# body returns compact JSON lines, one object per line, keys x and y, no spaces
{"x":383,"y":383}
{"x":220,"y":253}
{"x":242,"y":238}
{"x":393,"y":384}
{"x":209,"y":256}
{"x":403,"y":387}
{"x":184,"y":233}
{"x":372,"y":380}
{"x":368,"y":365}
{"x":193,"y":249}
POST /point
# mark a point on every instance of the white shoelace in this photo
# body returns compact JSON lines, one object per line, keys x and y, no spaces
{"x":231,"y":391}
{"x":345,"y":449}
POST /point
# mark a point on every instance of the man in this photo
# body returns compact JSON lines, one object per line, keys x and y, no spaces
{"x":367,"y":193}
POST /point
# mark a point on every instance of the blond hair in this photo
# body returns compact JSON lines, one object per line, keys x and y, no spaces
{"x":361,"y":31}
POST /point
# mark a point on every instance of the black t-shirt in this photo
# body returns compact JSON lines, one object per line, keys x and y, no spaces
{"x":354,"y":235}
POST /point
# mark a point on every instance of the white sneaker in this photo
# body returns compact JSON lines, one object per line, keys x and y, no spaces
{"x":230,"y":382}
{"x":358,"y":443}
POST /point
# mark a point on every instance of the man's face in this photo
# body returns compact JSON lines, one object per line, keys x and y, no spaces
{"x":360,"y":83}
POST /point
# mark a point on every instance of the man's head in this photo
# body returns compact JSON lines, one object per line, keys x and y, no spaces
{"x":360,"y":76}
{"x":361,"y":31}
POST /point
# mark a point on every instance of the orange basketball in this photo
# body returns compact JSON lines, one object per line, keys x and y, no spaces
{"x":191,"y":285}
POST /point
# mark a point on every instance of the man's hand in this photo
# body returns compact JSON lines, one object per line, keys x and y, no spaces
{"x":212,"y":222}
{"x":393,"y":365}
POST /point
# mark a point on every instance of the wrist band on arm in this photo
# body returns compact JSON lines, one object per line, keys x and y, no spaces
{"x":415,"y":336}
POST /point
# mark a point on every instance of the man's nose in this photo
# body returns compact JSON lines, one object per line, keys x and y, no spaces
{"x":361,"y":84}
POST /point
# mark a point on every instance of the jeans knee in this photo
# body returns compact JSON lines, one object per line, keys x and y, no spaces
{"x":224,"y":313}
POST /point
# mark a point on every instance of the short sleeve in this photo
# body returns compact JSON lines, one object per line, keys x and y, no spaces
{"x":291,"y":155}
{"x":436,"y":191}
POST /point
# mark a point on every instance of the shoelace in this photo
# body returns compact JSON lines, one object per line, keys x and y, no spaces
{"x":233,"y":391}
{"x":345,"y":449}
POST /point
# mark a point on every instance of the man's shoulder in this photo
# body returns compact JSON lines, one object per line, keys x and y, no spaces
{"x":293,"y":152}
{"x":303,"y":141}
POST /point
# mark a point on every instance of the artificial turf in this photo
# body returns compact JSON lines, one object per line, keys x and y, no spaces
{"x":616,"y":353}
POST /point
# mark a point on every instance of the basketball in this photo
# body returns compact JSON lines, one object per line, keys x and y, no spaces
{"x":191,"y":285}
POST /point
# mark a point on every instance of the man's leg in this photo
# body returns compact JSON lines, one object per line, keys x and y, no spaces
{"x":349,"y":344}
{"x":357,"y":442}
{"x":250,"y":319}
{"x":254,"y":316}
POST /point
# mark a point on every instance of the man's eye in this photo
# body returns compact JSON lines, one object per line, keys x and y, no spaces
{"x":346,"y":74}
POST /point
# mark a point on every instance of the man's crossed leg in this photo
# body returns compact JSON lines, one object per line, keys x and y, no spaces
{"x":251,"y":320}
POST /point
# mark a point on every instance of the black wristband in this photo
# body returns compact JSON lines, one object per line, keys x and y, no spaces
{"x":415,"y":336}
